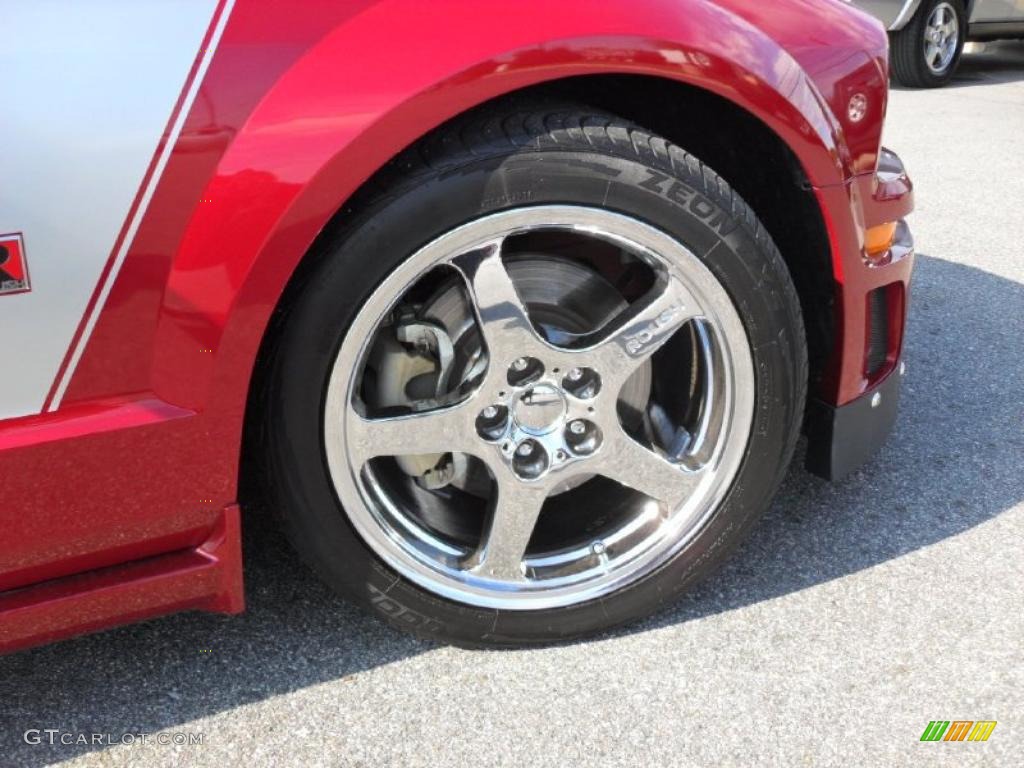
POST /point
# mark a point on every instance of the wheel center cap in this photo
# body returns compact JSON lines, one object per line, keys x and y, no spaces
{"x":540,"y":409}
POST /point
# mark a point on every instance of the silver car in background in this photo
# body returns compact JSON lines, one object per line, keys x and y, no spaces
{"x":928,"y":36}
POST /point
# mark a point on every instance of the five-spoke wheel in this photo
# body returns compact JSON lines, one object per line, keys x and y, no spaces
{"x":537,"y":408}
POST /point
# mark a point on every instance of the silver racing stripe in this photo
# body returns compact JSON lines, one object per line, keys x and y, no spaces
{"x":88,"y":90}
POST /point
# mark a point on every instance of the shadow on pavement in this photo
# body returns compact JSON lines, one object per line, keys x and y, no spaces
{"x":952,"y":463}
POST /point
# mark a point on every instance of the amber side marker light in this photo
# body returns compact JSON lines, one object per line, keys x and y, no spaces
{"x":878,"y":240}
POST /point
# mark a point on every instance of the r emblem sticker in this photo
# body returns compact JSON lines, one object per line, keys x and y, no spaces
{"x":13,"y":267}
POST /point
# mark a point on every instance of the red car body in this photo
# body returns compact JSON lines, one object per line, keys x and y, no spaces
{"x":120,"y":498}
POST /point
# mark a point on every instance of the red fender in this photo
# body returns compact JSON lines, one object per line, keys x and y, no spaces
{"x":299,"y":107}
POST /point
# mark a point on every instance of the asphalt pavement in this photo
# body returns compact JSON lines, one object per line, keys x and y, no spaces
{"x":858,"y":612}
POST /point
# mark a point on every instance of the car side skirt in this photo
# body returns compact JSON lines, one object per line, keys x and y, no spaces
{"x":206,"y":577}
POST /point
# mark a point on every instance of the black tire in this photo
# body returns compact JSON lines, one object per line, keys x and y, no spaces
{"x":907,"y":48}
{"x":551,"y":155}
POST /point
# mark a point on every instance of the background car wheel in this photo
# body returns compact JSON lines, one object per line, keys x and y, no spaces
{"x":542,"y":378}
{"x":926,"y":51}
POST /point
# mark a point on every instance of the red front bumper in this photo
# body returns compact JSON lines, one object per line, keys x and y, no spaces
{"x":852,"y":412}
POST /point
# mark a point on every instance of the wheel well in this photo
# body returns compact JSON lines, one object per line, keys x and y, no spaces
{"x":750,"y":157}
{"x":724,"y":136}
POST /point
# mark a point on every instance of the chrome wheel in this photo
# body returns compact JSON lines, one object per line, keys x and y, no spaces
{"x":941,"y":37}
{"x":539,"y":407}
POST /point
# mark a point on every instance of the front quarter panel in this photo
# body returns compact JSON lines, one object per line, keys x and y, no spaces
{"x":301,"y":104}
{"x":287,"y":127}
{"x":325,"y":126}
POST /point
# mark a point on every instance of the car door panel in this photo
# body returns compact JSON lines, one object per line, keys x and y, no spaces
{"x":997,"y":10}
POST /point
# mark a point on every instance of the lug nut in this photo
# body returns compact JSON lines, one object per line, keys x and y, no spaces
{"x":598,"y":548}
{"x":583,"y":383}
{"x":491,"y":422}
{"x":530,"y":460}
{"x":524,"y":371}
{"x":582,"y":437}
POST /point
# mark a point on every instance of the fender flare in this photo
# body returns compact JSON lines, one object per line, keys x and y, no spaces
{"x":325,"y":127}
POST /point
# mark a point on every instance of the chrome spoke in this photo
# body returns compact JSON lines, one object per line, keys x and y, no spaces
{"x":638,"y":467}
{"x":645,"y":330}
{"x":503,"y":318}
{"x":503,"y":548}
{"x":435,"y":431}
